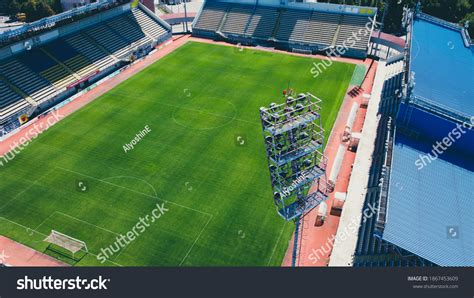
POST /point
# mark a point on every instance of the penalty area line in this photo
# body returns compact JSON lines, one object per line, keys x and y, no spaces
{"x":196,"y":240}
{"x":132,"y":190}
{"x":26,"y":189}
{"x":30,"y":229}
{"x":276,"y":244}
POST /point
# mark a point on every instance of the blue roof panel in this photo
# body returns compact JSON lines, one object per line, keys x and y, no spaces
{"x":443,"y":66}
{"x":424,"y":203}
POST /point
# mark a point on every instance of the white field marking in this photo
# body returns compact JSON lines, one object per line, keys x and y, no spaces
{"x":132,"y":177}
{"x":144,"y":194}
{"x":88,"y":223}
{"x":120,"y":252}
{"x":204,"y":128}
{"x":147,"y":195}
{"x":210,"y":113}
{"x":27,"y":228}
{"x":196,"y":240}
{"x":123,"y":249}
{"x":276,"y":244}
{"x":44,"y":220}
{"x":26,"y":189}
{"x":192,"y":110}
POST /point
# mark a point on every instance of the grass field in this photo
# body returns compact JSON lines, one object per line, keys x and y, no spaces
{"x":196,"y":102}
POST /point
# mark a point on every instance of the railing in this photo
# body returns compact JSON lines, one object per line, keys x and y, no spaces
{"x":150,"y":14}
{"x":438,"y":21}
{"x":465,"y":35}
{"x":385,"y":182}
{"x":395,"y":59}
{"x":51,"y":21}
{"x":439,"y":109}
{"x":466,"y":38}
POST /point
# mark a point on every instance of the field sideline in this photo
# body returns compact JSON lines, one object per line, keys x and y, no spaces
{"x":195,"y":101}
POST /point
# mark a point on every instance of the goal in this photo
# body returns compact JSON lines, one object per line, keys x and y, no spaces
{"x":66,"y":246}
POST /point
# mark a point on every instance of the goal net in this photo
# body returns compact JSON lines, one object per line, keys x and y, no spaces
{"x":66,"y":246}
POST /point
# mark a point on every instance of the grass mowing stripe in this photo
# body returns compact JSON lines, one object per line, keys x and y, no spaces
{"x":196,"y":100}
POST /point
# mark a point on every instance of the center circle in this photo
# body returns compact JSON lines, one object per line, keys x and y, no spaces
{"x":204,"y":113}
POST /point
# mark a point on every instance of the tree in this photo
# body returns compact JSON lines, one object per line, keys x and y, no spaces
{"x":12,"y":7}
{"x":34,"y":9}
{"x":37,"y":9}
{"x":450,"y":10}
{"x":469,"y":17}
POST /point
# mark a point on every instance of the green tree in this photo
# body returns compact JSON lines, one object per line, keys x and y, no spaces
{"x":450,"y":10}
{"x":37,"y":9}
{"x":469,"y":17}
{"x":34,"y":9}
{"x":12,"y":7}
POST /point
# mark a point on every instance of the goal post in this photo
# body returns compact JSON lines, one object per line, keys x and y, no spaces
{"x":65,"y":245}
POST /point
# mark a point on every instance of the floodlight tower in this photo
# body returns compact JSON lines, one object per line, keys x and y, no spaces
{"x":294,"y":142}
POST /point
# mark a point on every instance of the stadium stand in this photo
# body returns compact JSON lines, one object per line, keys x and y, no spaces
{"x":371,"y":250}
{"x":322,"y":28}
{"x":425,"y":197}
{"x":288,"y":26}
{"x":350,"y":24}
{"x":421,"y":195}
{"x":72,"y":60}
{"x":212,"y":16}
{"x":237,"y":19}
{"x":10,"y":101}
{"x":107,"y":39}
{"x":262,"y":22}
{"x":36,"y":73}
{"x":148,"y":25}
{"x":391,"y":95}
{"x":293,"y":24}
{"x":96,"y":57}
{"x":30,"y":82}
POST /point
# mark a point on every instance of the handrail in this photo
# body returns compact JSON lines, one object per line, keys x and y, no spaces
{"x":438,"y":108}
{"x":51,"y":21}
{"x":438,"y":21}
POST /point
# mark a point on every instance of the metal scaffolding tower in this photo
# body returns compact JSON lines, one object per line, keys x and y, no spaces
{"x":294,"y":141}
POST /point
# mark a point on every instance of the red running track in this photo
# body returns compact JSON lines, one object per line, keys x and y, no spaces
{"x":317,"y":242}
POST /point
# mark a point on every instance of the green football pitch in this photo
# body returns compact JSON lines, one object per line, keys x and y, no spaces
{"x":203,"y":159}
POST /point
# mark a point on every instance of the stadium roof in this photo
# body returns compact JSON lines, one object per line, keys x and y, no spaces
{"x":443,"y":65}
{"x":424,"y":204}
